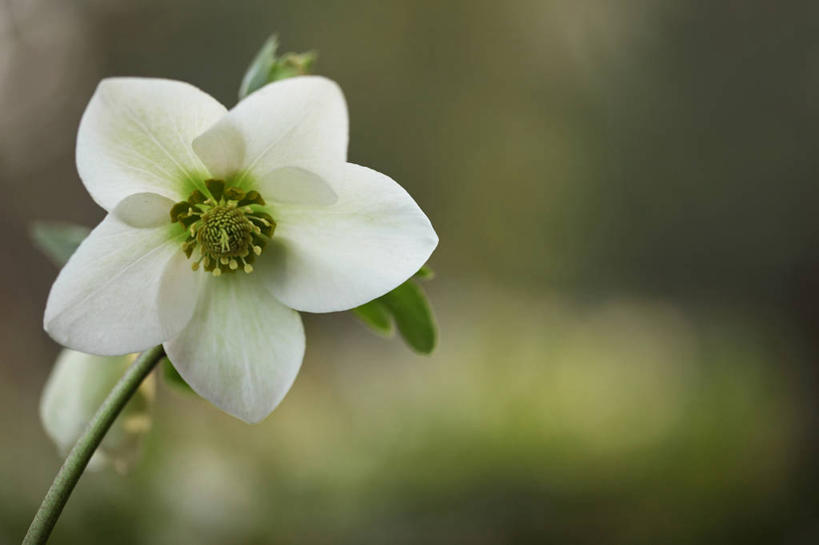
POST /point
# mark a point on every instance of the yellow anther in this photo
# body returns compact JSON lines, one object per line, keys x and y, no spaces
{"x":248,"y":268}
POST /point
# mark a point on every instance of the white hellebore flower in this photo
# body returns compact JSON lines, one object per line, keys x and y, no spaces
{"x":221,"y":225}
{"x":76,"y":388}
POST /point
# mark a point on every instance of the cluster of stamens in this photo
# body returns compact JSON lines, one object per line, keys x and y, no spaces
{"x":226,"y":230}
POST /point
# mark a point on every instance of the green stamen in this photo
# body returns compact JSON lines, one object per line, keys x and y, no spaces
{"x":225,"y":234}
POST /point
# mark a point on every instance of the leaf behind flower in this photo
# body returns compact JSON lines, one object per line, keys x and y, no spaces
{"x":58,"y":240}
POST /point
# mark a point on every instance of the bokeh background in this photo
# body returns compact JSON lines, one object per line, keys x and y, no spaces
{"x":627,"y":290}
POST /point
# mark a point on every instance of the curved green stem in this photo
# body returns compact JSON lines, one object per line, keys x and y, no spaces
{"x":78,"y":458}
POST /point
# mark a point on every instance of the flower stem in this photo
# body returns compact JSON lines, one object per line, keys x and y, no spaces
{"x":78,"y":458}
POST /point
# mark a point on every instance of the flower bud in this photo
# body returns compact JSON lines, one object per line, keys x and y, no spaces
{"x":76,"y":388}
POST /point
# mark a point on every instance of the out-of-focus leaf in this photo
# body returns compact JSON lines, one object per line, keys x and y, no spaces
{"x":58,"y":240}
{"x":413,"y":316}
{"x":376,"y":315}
{"x":172,"y":377}
{"x":267,"y":67}
{"x":424,"y":273}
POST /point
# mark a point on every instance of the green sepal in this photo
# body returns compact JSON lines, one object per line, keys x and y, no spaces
{"x":377,"y":316}
{"x":267,"y":67}
{"x":173,"y":378}
{"x":408,"y":307}
{"x":58,"y":240}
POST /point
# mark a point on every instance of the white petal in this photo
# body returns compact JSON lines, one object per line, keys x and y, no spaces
{"x":126,"y":288}
{"x":136,"y":135}
{"x":144,"y":210}
{"x":76,"y":388}
{"x":296,"y":119}
{"x":69,"y":398}
{"x":329,"y":258}
{"x":295,"y":185}
{"x":242,"y":349}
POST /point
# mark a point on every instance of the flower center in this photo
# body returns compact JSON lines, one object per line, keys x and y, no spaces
{"x":226,"y":231}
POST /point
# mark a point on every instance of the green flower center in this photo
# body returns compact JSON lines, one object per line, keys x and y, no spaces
{"x":226,"y":231}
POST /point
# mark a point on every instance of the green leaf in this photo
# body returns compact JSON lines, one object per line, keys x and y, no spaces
{"x":413,"y":316}
{"x":424,"y":273}
{"x":58,"y":240}
{"x":267,"y":67}
{"x":173,"y":378}
{"x":408,"y":307}
{"x":258,"y":71}
{"x":376,"y":315}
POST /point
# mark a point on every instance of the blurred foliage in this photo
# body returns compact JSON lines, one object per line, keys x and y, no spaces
{"x":646,"y":423}
{"x":58,"y":240}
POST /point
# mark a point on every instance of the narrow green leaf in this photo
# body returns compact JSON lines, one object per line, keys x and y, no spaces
{"x":58,"y":240}
{"x":267,"y":67}
{"x":413,"y":316}
{"x":173,"y":378}
{"x":258,"y":71}
{"x":376,"y":316}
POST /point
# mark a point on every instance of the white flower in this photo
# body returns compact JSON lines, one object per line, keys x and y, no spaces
{"x":263,"y":203}
{"x":76,"y":388}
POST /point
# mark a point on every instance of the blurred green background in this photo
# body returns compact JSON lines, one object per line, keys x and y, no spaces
{"x":627,"y":291}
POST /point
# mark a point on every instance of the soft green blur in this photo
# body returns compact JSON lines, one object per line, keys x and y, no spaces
{"x":627,"y":280}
